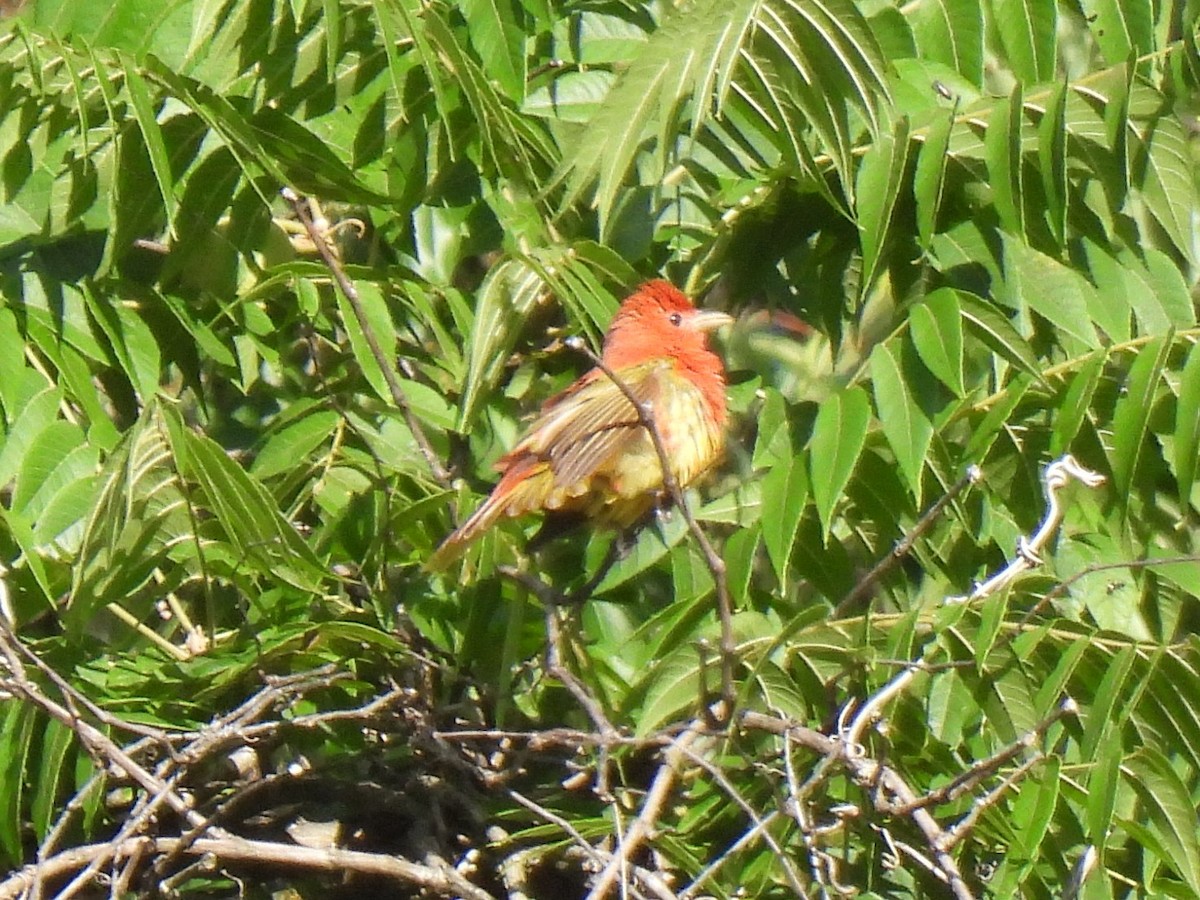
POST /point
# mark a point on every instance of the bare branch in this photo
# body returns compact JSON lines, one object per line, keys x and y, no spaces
{"x":554,"y":658}
{"x":893,"y":791}
{"x":986,"y":768}
{"x":759,"y":824}
{"x":641,"y":829}
{"x":227,"y":849}
{"x":1056,"y":476}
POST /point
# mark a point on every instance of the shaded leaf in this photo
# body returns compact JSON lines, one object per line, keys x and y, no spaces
{"x":905,"y":424}
{"x":785,"y":491}
{"x":837,"y":440}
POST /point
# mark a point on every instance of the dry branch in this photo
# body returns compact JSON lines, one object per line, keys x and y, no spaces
{"x":230,"y":849}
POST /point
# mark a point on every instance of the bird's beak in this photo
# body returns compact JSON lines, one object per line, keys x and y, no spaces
{"x":709,"y":319}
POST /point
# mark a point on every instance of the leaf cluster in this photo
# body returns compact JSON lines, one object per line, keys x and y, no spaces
{"x":956,"y":234}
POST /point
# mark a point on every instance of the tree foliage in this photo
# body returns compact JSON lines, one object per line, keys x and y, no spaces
{"x":986,"y":212}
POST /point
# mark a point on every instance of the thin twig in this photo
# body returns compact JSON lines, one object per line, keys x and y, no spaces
{"x":96,"y":741}
{"x":569,"y":738}
{"x":868,"y":771}
{"x":442,"y":880}
{"x":895,"y":791}
{"x":558,"y":669}
{"x":986,"y":768}
{"x":386,"y":364}
{"x":554,"y":656}
{"x":1060,"y":589}
{"x":554,"y":819}
{"x":964,"y":826}
{"x":760,"y":823}
{"x":642,"y":827}
{"x":973,"y":475}
{"x":715,"y":865}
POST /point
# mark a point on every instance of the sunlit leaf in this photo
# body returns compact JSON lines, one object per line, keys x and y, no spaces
{"x":1132,"y":416}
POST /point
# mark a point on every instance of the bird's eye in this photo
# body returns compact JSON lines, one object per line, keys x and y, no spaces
{"x":675,"y":318}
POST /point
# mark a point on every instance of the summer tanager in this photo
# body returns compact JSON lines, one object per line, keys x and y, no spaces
{"x":588,"y":452}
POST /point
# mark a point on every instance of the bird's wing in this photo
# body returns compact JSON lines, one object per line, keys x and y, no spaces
{"x":579,"y":431}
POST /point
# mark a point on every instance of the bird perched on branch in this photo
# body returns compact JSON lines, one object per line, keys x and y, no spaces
{"x":588,"y":452}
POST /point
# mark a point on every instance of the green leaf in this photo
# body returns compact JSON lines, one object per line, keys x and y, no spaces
{"x":1163,"y":284}
{"x":1120,"y":28}
{"x":333,"y":35}
{"x":930,"y":178}
{"x":991,"y":617}
{"x":652,"y":545}
{"x":837,"y":440}
{"x":1153,"y":287}
{"x":223,"y":118}
{"x":1033,"y":809}
{"x":291,"y":445}
{"x":1167,"y":806}
{"x":1117,"y":128}
{"x":496,"y":31}
{"x":1053,"y":689}
{"x":1102,"y":785}
{"x":673,"y":685}
{"x":951,"y":32}
{"x":53,"y":774}
{"x":948,"y":708}
{"x":1099,"y":720}
{"x":1186,"y":448}
{"x":12,"y":365}
{"x":597,"y":37}
{"x":16,"y":739}
{"x":161,"y":28}
{"x":998,"y":333}
{"x":132,"y":342}
{"x":1029,"y":32}
{"x":774,"y":441}
{"x":34,"y":417}
{"x":1163,"y":170}
{"x":379,"y":321}
{"x":49,"y":449}
{"x":61,"y":512}
{"x":785,"y":490}
{"x":1076,"y":402}
{"x":937,"y":333}
{"x":1052,"y":160}
{"x":571,"y":97}
{"x":1131,"y":419}
{"x":653,"y":84}
{"x":1003,"y":150}
{"x":739,"y":553}
{"x":906,"y":426}
{"x":983,"y":434}
{"x":247,"y":512}
{"x":508,"y":294}
{"x":1062,"y":296}
{"x":147,"y":122}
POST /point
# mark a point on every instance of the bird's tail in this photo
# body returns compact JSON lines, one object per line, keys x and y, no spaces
{"x":456,"y":544}
{"x":517,"y":492}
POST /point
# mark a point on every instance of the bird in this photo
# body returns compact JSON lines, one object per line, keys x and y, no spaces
{"x":588,"y":452}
